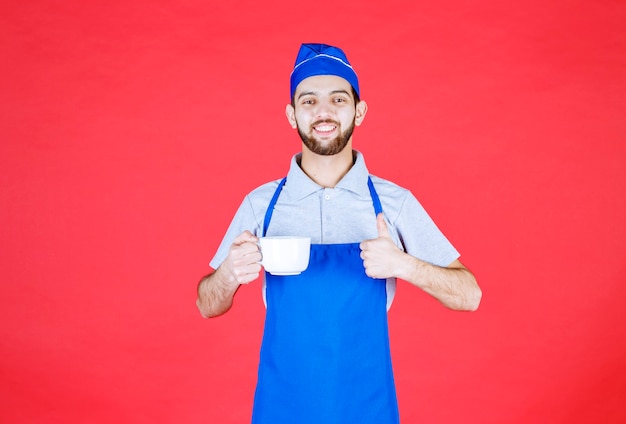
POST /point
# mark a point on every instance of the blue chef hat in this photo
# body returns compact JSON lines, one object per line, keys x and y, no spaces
{"x":321,"y":59}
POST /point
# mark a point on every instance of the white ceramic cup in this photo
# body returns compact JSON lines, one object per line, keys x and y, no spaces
{"x":285,"y":255}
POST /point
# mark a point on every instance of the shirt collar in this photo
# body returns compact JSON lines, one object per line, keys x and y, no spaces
{"x":299,"y":185}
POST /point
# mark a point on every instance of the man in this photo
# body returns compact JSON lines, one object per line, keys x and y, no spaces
{"x":325,"y":354}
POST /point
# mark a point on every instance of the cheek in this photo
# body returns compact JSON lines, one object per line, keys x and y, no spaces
{"x":347,"y":119}
{"x":303,"y":119}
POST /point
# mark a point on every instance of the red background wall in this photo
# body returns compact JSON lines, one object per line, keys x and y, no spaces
{"x":130,"y":132}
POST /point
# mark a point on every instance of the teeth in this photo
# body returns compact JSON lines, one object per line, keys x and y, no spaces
{"x":324,"y":128}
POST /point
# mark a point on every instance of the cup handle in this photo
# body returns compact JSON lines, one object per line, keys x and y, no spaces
{"x":258,"y":243}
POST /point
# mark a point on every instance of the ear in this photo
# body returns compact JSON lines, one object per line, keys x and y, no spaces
{"x":361,"y":110}
{"x":291,"y":116}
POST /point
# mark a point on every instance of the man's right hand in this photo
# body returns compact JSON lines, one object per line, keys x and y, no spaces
{"x":242,"y":266}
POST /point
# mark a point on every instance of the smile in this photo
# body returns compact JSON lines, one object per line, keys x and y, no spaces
{"x":325,"y":128}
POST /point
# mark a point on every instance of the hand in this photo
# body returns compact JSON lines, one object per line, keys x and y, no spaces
{"x":241,"y":266}
{"x":381,"y":257}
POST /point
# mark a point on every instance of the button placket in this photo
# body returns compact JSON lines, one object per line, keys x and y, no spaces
{"x":326,"y":214}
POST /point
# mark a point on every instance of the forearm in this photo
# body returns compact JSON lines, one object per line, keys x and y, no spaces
{"x":215,"y":294}
{"x":455,"y":286}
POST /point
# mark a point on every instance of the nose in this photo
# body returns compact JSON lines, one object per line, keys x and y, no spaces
{"x":324,"y":110}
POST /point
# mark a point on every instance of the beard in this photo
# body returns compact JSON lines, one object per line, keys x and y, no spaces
{"x":334,"y":146}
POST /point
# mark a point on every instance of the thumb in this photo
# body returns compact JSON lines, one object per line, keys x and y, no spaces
{"x":381,"y":225}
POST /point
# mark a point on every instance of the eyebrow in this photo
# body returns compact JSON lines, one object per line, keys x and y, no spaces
{"x":314,"y":93}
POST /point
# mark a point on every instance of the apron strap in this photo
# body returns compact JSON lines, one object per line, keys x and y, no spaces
{"x":270,"y":208}
{"x":378,"y":208}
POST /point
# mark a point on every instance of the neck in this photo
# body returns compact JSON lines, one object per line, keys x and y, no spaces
{"x":327,"y":171}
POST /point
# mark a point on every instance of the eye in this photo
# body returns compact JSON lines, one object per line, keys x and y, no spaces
{"x":308,"y":101}
{"x":340,"y":100}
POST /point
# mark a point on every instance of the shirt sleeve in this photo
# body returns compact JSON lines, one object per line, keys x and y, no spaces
{"x":420,"y":236}
{"x":243,"y":220}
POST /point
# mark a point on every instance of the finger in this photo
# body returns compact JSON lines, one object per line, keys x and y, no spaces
{"x":245,"y":237}
{"x":248,"y":274}
{"x":382,"y":226}
{"x":245,"y":254}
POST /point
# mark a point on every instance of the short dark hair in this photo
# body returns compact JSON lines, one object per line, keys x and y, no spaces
{"x":354,"y":95}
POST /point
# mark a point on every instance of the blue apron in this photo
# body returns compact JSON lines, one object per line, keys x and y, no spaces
{"x":325,"y":354}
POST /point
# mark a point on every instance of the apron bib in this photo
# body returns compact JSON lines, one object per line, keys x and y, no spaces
{"x":325,"y":354}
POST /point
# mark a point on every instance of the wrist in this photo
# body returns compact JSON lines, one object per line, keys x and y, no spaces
{"x":225,"y":278}
{"x":412,"y":269}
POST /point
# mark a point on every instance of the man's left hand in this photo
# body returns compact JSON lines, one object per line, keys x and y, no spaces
{"x":381,"y":257}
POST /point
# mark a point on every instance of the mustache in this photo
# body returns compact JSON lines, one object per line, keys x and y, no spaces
{"x":325,"y":121}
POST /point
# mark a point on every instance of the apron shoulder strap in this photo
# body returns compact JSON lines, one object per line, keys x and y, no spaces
{"x":378,"y":208}
{"x":270,"y":208}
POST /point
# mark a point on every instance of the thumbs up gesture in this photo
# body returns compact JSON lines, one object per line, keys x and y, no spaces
{"x":381,"y":257}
